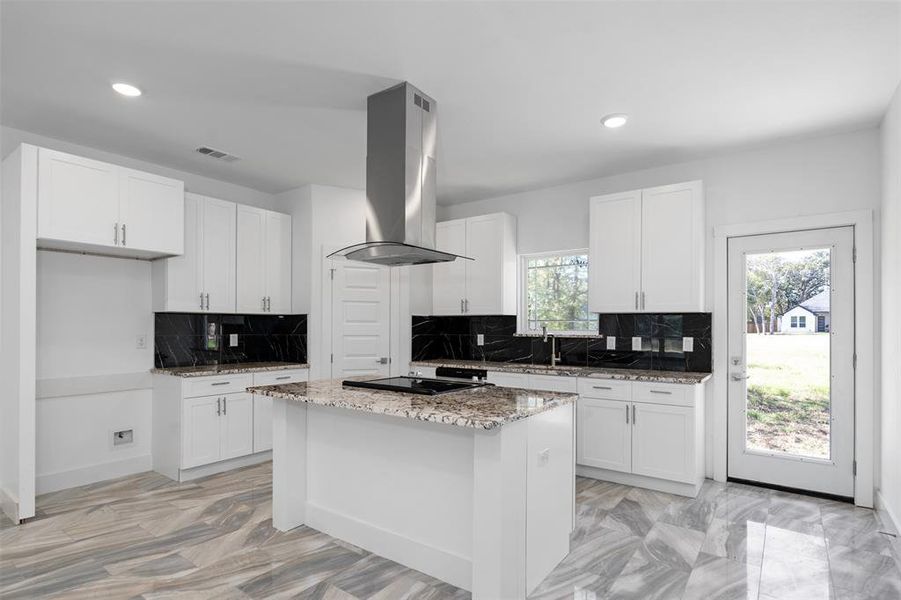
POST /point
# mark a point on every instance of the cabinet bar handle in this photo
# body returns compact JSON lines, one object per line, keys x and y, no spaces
{"x":643,"y":304}
{"x":269,"y":303}
{"x":283,"y":377}
{"x":218,"y":407}
{"x":123,"y":234}
{"x":225,"y":406}
{"x":627,"y":414}
{"x":661,"y":392}
{"x":201,"y":300}
{"x":208,"y":302}
{"x":220,"y":383}
{"x":462,"y":310}
{"x":116,"y":234}
{"x":602,"y":387}
{"x":634,"y":420}
{"x":636,"y":300}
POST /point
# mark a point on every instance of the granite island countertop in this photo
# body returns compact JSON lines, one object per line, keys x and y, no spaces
{"x":684,"y":377}
{"x":485,"y":407}
{"x":227,"y":369}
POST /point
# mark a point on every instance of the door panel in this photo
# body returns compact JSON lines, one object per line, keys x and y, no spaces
{"x":670,"y":264}
{"x":151,"y":212}
{"x":449,"y":285}
{"x":604,"y":434}
{"x":250,"y":271}
{"x":484,"y":274}
{"x":791,"y":395}
{"x":218,"y":247}
{"x":237,"y":425}
{"x":184,"y":273}
{"x":663,"y":442}
{"x":78,"y":199}
{"x":200,"y":436}
{"x":278,"y":262}
{"x":360,"y":319}
{"x":614,"y":255}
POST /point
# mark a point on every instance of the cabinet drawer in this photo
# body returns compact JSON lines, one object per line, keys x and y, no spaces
{"x":209,"y":386}
{"x":674,"y":394}
{"x":553,"y":383}
{"x":278,"y":377}
{"x":592,"y":387}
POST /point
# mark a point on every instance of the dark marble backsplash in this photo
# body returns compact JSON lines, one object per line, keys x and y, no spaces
{"x":455,"y":338}
{"x":180,"y":339}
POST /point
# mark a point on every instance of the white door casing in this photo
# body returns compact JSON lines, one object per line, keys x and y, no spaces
{"x":360,"y":319}
{"x":834,"y":475}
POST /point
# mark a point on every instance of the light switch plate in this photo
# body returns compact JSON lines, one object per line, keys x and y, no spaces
{"x":688,"y":344}
{"x":611,"y":342}
{"x":544,"y":457}
{"x":480,"y":339}
{"x":636,"y":343}
{"x":233,"y":339}
{"x":141,"y":341}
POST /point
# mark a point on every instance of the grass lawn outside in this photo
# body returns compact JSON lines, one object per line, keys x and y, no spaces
{"x":788,"y":393}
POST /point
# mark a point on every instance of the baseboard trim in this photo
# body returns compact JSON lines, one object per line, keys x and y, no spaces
{"x":886,"y":513}
{"x":661,"y":485}
{"x":444,"y":565}
{"x":9,"y":505}
{"x":62,"y":480}
{"x":223,"y":466}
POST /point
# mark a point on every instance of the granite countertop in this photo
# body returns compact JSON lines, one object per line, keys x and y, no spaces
{"x":686,"y":377}
{"x":227,"y":369}
{"x":485,"y":407}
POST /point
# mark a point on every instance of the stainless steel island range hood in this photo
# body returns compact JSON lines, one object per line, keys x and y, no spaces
{"x":401,"y":128}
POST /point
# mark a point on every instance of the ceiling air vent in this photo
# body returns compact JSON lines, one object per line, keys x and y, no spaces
{"x":217,"y":154}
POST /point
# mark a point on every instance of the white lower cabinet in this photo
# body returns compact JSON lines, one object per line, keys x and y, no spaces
{"x":663,"y":442}
{"x":201,"y":421}
{"x":604,"y":434}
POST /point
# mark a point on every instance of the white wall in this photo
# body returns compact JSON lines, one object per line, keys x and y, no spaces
{"x":11,"y":137}
{"x":889,"y":476}
{"x":833,"y":173}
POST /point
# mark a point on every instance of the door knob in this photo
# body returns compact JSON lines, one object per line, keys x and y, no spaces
{"x":739,"y":377}
{"x":382,"y":361}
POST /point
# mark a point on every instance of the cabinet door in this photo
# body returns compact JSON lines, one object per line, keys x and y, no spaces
{"x":485,"y":274}
{"x":201,"y":425}
{"x":449,"y":279}
{"x":614,"y":254}
{"x":251,"y":272}
{"x":671,"y":248}
{"x":262,"y":423}
{"x":604,"y":434}
{"x":184,"y":274}
{"x":663,"y":442}
{"x":237,"y":425}
{"x":78,"y":199}
{"x":278,"y":262}
{"x":151,"y":212}
{"x":219,"y":254}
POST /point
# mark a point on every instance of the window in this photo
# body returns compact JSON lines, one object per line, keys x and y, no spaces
{"x":802,"y":322}
{"x":555,"y":293}
{"x":794,"y":322}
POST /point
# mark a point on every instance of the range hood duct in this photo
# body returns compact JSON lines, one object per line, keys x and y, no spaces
{"x":401,"y":130}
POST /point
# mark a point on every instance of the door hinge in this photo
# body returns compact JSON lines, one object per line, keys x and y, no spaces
{"x":854,"y":468}
{"x":854,"y":254}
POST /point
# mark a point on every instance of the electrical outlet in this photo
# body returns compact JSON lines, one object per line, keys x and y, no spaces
{"x":232,"y":340}
{"x":121,"y":438}
{"x":688,"y":344}
{"x":480,"y":339}
{"x":544,"y":457}
{"x":636,"y":343}
{"x":611,"y":342}
{"x":141,"y":341}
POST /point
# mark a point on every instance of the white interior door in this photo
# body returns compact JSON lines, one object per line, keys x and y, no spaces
{"x":791,"y":388}
{"x":360,"y":319}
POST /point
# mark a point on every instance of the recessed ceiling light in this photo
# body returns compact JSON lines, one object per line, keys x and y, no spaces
{"x":126,"y":89}
{"x":615,"y":120}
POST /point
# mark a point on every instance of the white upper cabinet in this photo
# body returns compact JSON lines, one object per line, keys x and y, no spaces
{"x":485,"y":285}
{"x":264,"y":261}
{"x":203,"y":278}
{"x":85,"y":204}
{"x":647,"y":250}
{"x":614,"y":256}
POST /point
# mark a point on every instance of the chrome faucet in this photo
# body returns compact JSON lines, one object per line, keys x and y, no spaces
{"x":554,"y":356}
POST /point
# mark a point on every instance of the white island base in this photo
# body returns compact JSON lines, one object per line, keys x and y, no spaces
{"x":490,"y":511}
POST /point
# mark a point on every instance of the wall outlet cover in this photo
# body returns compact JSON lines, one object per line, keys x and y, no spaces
{"x":480,"y":339}
{"x":140,"y":341}
{"x":233,"y":339}
{"x":636,"y":343}
{"x":611,"y":342}
{"x":688,"y":344}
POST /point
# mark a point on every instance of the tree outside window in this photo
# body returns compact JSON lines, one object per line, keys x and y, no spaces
{"x":556,"y":293}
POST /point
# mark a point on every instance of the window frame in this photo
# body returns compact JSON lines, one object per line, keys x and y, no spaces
{"x":522,"y":312}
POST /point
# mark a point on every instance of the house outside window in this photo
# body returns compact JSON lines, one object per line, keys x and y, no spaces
{"x":802,"y":321}
{"x":794,"y":322}
{"x":554,"y":293}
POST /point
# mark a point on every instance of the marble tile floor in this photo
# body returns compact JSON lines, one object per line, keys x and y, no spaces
{"x":145,"y":536}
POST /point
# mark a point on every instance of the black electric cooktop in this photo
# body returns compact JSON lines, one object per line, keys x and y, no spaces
{"x":415,"y":385}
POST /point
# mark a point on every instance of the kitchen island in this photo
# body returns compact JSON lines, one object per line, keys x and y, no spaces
{"x":474,"y":487}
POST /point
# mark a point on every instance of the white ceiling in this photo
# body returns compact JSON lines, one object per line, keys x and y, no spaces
{"x":520,"y":86}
